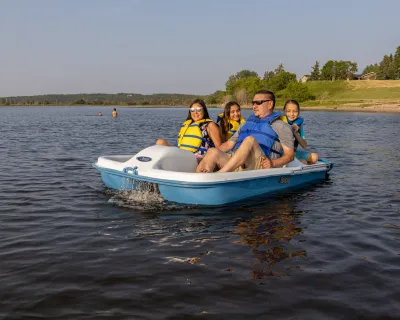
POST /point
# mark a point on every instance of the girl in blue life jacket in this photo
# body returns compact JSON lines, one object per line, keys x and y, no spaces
{"x":230,"y":120}
{"x":198,"y":132}
{"x":292,"y":111}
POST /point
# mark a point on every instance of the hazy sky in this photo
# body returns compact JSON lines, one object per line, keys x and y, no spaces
{"x":181,"y":46}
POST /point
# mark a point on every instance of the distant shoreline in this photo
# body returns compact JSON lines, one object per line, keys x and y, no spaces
{"x":369,"y":107}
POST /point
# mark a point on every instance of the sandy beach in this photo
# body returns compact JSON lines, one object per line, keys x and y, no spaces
{"x":376,"y":106}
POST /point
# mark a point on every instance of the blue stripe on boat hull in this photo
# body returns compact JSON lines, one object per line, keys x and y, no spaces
{"x":211,"y":193}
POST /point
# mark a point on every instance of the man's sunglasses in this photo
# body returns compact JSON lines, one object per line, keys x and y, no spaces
{"x":259,"y":102}
{"x":198,"y":109}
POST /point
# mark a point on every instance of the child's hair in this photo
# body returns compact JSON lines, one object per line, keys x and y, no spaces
{"x":225,"y":126}
{"x":292,"y":102}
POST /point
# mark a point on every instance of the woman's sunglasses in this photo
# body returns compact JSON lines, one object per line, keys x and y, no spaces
{"x":198,"y":109}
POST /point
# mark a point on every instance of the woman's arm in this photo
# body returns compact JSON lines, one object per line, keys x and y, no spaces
{"x":221,"y":132}
{"x":213,"y":132}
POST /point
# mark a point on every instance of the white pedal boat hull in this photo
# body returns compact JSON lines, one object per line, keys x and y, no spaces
{"x":173,"y":171}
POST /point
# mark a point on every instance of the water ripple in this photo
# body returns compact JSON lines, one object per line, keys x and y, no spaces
{"x":72,"y":249}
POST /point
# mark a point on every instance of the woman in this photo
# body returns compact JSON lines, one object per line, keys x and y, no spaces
{"x":230,"y":120}
{"x":198,"y":133}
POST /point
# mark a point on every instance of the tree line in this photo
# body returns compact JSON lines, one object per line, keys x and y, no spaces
{"x":387,"y":69}
{"x":121,"y":99}
{"x":242,"y":86}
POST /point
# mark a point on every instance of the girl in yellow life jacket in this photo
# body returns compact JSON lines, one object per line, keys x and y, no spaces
{"x":230,"y":120}
{"x":198,"y":133}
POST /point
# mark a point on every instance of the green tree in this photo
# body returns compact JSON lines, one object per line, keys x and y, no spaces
{"x":215,"y":97}
{"x":371,"y":68}
{"x":268,"y":75}
{"x":387,"y":69}
{"x":245,"y":74}
{"x":327,"y":71}
{"x":338,"y":70}
{"x":251,"y":85}
{"x":315,"y":73}
{"x":297,"y":91}
{"x":396,"y":62}
{"x":80,"y":101}
{"x":279,"y":69}
{"x":279,"y":81}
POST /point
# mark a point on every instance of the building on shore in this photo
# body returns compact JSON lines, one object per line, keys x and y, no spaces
{"x":366,"y":76}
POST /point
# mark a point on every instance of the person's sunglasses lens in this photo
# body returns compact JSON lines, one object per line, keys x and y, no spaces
{"x":259,"y":102}
{"x":195,"y":109}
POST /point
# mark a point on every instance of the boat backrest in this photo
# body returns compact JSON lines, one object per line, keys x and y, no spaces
{"x":163,"y":158}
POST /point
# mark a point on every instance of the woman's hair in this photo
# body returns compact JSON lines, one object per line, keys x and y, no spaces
{"x":203,"y":104}
{"x":225,"y":126}
{"x":292,"y":102}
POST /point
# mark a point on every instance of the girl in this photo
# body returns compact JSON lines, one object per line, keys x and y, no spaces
{"x":292,"y":111}
{"x":230,"y":120}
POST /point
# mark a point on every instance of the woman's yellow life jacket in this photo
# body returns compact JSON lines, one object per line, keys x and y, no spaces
{"x":233,"y":125}
{"x":190,"y":137}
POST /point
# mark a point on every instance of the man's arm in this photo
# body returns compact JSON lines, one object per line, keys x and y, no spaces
{"x":286,"y":138}
{"x":288,"y":155}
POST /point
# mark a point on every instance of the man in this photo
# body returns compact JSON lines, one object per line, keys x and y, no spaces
{"x":263,"y":142}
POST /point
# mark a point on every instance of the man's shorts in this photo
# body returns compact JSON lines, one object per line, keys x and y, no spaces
{"x":302,"y":155}
{"x":253,"y":162}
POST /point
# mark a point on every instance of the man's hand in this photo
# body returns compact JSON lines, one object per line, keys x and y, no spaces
{"x":266,"y":163}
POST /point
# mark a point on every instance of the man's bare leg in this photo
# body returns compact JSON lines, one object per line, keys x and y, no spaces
{"x":213,"y":158}
{"x":247,"y":150}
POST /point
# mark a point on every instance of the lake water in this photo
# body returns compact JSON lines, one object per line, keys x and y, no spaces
{"x":70,"y":249}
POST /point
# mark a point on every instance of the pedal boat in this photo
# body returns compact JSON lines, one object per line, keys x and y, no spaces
{"x":171,"y":171}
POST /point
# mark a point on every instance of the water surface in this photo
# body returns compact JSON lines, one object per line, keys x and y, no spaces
{"x":71,"y":249}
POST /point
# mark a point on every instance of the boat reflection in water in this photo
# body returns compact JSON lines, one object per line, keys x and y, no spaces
{"x":271,"y":239}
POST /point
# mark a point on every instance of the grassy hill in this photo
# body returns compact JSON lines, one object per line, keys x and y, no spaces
{"x":355,"y":90}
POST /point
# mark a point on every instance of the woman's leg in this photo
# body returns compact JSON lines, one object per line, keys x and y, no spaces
{"x":162,"y":142}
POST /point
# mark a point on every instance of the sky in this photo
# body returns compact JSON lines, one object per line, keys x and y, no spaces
{"x":181,"y":46}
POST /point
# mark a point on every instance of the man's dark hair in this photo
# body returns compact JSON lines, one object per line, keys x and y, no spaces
{"x":270,"y":94}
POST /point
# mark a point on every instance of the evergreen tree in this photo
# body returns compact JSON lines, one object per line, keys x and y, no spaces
{"x":315,"y":73}
{"x":396,"y":62}
{"x":279,"y":69}
{"x":387,"y":69}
